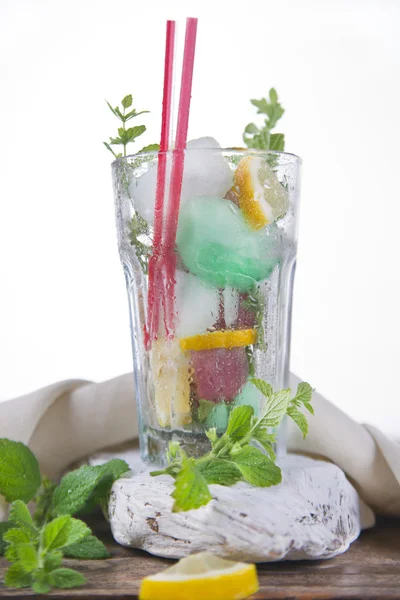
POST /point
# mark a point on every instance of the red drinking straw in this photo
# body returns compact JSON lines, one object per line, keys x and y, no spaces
{"x":154,"y":279}
{"x":177,"y":171}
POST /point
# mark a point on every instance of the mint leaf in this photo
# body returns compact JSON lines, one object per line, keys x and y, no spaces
{"x":262,"y":105}
{"x":304,"y":392}
{"x":44,"y":501}
{"x":239,"y":423}
{"x":299,"y":419}
{"x":111,"y":471}
{"x":262,"y":138}
{"x":10,"y":553}
{"x":212,"y":435}
{"x":266,"y":440}
{"x":16,"y":577}
{"x":117,"y":141}
{"x":16,"y":536}
{"x":222,"y":472}
{"x":90,"y":548}
{"x":26,"y":554}
{"x":264,"y":387}
{"x":256,"y":467}
{"x":66,"y":578}
{"x":275,"y":408}
{"x":77,"y":487}
{"x":273,"y":96}
{"x":115,"y":111}
{"x":309,"y":408}
{"x":150,"y":148}
{"x":19,"y":471}
{"x":173,"y":450}
{"x":251,"y":128}
{"x":4,"y":527}
{"x":277,"y":142}
{"x":133,"y":132}
{"x":110,"y":149}
{"x":128,"y":135}
{"x":53,"y":560}
{"x":133,"y":114}
{"x":20,"y":515}
{"x":63,"y":531}
{"x":139,"y":237}
{"x":191,"y":490}
{"x":41,"y":587}
{"x":127,"y":101}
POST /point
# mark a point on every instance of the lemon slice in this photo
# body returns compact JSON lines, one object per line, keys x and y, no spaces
{"x":201,"y":576}
{"x":219,"y":339}
{"x":170,"y":370}
{"x":262,"y":198}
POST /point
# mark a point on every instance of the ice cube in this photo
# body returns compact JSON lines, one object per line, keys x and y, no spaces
{"x":206,"y":173}
{"x":219,"y":374}
{"x":197,"y":305}
{"x":231,"y":305}
{"x":218,"y":417}
{"x":250,"y":396}
{"x":216,"y":244}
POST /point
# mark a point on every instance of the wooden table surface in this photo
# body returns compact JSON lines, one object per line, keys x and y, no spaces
{"x":369,"y":569}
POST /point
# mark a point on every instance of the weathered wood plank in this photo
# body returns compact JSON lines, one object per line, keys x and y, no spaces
{"x":370,"y":569}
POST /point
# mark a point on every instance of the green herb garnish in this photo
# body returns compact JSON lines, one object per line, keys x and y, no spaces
{"x":35,"y":546}
{"x":262,"y":138}
{"x":255,"y":303}
{"x":233,"y":457}
{"x":127,"y":135}
{"x":139,"y":237}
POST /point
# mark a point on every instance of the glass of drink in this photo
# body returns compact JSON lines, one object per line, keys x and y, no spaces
{"x":224,"y":309}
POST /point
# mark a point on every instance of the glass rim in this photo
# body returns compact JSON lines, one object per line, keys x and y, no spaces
{"x":233,"y":151}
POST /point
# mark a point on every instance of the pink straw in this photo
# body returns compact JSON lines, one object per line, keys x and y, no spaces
{"x":177,"y":170}
{"x":154,"y":279}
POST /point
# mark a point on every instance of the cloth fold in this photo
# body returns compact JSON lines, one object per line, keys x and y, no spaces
{"x":70,"y":420}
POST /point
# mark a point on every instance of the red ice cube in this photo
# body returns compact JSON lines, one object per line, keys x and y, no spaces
{"x":220,"y":374}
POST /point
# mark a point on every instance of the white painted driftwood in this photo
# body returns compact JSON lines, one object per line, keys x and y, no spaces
{"x":314,"y":513}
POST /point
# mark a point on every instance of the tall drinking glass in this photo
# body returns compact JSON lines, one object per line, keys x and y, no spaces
{"x":234,"y":263}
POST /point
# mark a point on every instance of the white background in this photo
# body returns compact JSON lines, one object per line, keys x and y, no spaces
{"x":336,"y":67}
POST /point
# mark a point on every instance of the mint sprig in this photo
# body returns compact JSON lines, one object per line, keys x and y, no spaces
{"x":243,"y":453}
{"x":127,"y":135}
{"x":36,"y":554}
{"x":254,"y":303}
{"x":35,"y":546}
{"x":139,"y":237}
{"x":262,"y":138}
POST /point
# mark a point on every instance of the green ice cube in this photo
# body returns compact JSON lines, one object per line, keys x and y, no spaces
{"x":216,"y":244}
{"x":218,"y":417}
{"x":249,"y":396}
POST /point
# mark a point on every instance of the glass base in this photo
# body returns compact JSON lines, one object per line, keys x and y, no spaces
{"x":155,"y":444}
{"x":156,"y":441}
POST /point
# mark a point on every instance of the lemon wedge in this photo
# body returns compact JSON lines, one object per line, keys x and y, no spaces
{"x":170,"y":370}
{"x":201,"y":576}
{"x":219,"y":339}
{"x":261,"y":196}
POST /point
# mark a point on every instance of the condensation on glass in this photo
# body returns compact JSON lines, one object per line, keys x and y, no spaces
{"x":232,"y":293}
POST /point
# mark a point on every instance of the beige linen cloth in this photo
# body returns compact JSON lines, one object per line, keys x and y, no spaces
{"x":70,"y":420}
